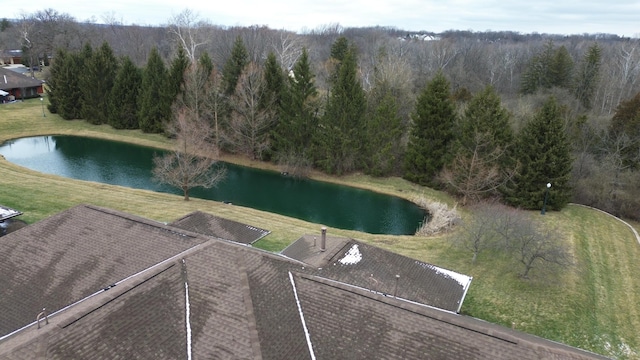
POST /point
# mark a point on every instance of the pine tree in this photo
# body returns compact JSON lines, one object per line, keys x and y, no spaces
{"x":544,"y":152}
{"x":274,"y":83}
{"x":176,"y":72}
{"x":486,"y":115}
{"x":587,"y":76}
{"x":205,"y":64}
{"x":123,"y":113}
{"x":432,"y":133}
{"x":551,"y":67}
{"x":383,"y":135}
{"x":234,"y":66}
{"x":340,"y":137}
{"x":63,"y":85}
{"x":155,"y":104}
{"x":483,"y":155}
{"x":298,"y":113}
{"x":96,"y":83}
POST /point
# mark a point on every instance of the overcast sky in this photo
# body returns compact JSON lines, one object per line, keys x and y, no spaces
{"x":621,"y":17}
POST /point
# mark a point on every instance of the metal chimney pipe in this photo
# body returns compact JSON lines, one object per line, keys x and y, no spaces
{"x":323,"y":239}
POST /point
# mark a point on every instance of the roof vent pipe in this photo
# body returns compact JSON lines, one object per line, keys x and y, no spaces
{"x":323,"y":239}
{"x":40,"y":315}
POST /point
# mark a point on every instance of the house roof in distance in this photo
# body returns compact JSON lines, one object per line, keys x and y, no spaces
{"x":12,"y":80}
{"x":179,"y":294}
{"x":8,"y":213}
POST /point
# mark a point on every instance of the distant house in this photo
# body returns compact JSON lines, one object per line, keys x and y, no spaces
{"x":16,"y":86}
{"x":95,"y":283}
{"x":10,"y":57}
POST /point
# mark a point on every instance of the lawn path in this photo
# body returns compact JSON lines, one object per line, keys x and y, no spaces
{"x":615,"y":217}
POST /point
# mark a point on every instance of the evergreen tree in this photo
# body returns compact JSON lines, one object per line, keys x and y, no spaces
{"x":96,"y":82}
{"x":483,"y":155}
{"x":234,"y":66}
{"x":205,"y":64}
{"x":298,"y":113}
{"x":551,"y":67}
{"x":63,"y":86}
{"x":383,"y":135}
{"x":340,"y":137}
{"x":123,"y":113}
{"x":544,"y":152}
{"x":55,"y":82}
{"x":486,"y":115}
{"x":431,"y":134}
{"x":587,"y":76}
{"x":274,"y":83}
{"x":561,"y":68}
{"x":155,"y":103}
{"x":176,"y":72}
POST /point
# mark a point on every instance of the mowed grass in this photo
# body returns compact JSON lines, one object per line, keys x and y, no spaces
{"x":591,"y":305}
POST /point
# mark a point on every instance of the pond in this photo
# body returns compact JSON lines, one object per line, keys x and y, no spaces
{"x":124,"y":164}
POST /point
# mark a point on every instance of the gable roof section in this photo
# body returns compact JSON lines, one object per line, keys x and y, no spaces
{"x":353,"y":262}
{"x":77,"y":253}
{"x":215,"y":226}
{"x":350,"y":323}
{"x":13,"y":80}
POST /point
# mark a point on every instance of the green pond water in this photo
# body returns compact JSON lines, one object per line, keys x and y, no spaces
{"x":118,"y":163}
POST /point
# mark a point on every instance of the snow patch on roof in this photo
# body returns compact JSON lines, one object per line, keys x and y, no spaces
{"x":352,"y":257}
{"x":461,"y":279}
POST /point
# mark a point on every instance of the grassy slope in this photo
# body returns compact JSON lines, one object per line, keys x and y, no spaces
{"x":591,"y":306}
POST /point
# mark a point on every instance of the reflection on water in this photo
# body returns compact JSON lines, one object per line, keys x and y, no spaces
{"x":129,"y":165}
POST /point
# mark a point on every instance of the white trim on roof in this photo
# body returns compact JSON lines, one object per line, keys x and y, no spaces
{"x":304,"y":324}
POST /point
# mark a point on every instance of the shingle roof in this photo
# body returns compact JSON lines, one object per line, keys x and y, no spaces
{"x":354,"y":262}
{"x":244,"y":303}
{"x":215,"y":226}
{"x":13,"y":80}
{"x":74,"y":254}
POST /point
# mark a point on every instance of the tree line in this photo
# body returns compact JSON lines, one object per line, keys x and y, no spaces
{"x":481,"y":115}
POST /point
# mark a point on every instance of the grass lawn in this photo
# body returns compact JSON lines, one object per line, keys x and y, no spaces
{"x":592,"y":305}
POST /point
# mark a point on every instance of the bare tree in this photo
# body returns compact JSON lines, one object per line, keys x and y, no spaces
{"x":478,"y":233}
{"x":186,"y":28}
{"x":192,"y":161}
{"x":533,"y":246}
{"x":476,"y":172}
{"x":251,"y":119}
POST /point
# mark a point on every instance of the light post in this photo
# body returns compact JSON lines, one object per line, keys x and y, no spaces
{"x":42,"y":103}
{"x":546,"y":195}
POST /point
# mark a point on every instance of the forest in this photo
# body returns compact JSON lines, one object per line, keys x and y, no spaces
{"x":481,"y":115}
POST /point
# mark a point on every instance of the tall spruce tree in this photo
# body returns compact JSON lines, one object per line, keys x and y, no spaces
{"x":340,"y":137}
{"x":486,"y":115}
{"x":431,"y":134}
{"x":123,"y":113}
{"x":63,"y":86}
{"x":483,"y":152}
{"x":298,"y":113}
{"x":383,"y":134}
{"x":96,"y":82}
{"x":234,"y":66}
{"x":271,"y":101}
{"x":176,"y":72}
{"x":588,"y":75}
{"x":155,"y":103}
{"x":544,"y":152}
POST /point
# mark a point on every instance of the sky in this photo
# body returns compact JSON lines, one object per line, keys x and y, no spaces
{"x":619,"y":17}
